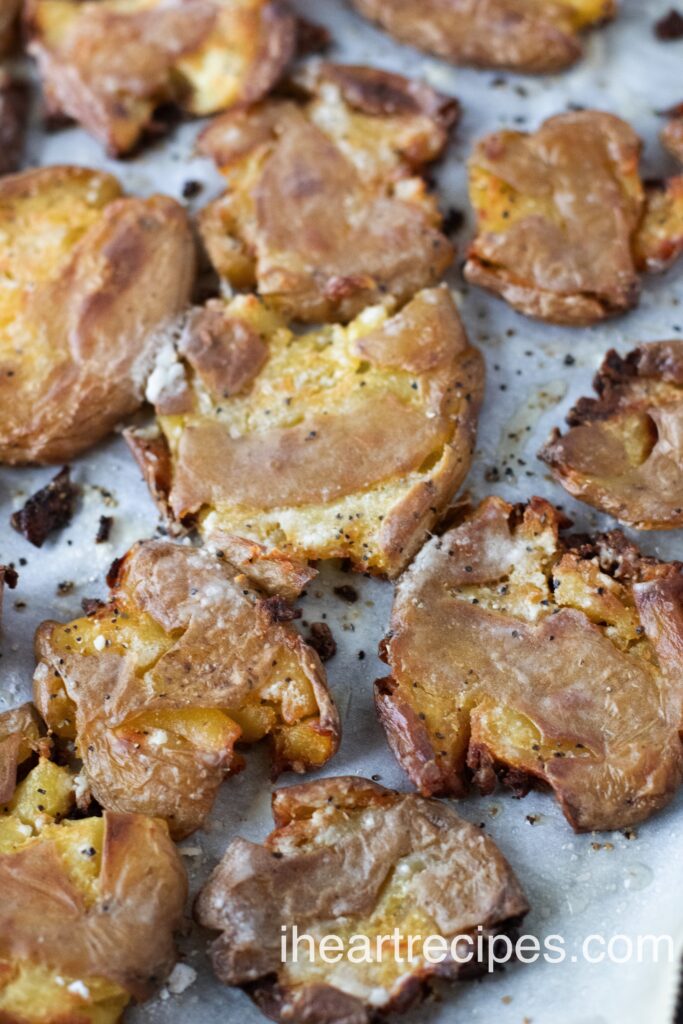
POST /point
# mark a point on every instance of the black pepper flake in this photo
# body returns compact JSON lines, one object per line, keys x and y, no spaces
{"x":49,"y":509}
{"x":191,"y":189}
{"x":453,"y":221}
{"x":347,"y":593}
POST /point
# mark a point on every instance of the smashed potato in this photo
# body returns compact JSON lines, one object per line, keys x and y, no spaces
{"x":534,"y":36}
{"x":518,"y":655}
{"x":340,"y":442}
{"x":350,"y":858}
{"x":109,"y":64}
{"x":623,"y":452}
{"x":157,"y":686}
{"x":88,"y":907}
{"x":87,"y":278}
{"x":325,"y":211}
{"x":564,"y":223}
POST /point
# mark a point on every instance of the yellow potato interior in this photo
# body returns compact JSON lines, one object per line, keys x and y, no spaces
{"x":284,"y":706}
{"x":35,"y":993}
{"x":660,"y":236}
{"x":37,"y":235}
{"x":306,"y":374}
{"x":395,"y":909}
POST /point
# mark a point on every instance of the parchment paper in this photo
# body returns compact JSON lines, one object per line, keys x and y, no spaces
{"x":577,"y":885}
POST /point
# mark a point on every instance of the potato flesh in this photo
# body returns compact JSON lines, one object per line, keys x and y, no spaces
{"x":37,"y":236}
{"x":538,"y":583}
{"x":498,"y":205}
{"x":395,"y":909}
{"x":33,"y":992}
{"x":304,"y":375}
{"x":660,"y":236}
{"x":284,"y":707}
{"x":584,"y":12}
{"x":204,"y":80}
{"x":656,"y":242}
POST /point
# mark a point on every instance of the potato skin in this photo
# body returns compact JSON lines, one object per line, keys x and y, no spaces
{"x":92,"y":309}
{"x":109,"y":69}
{"x":325,"y":211}
{"x":126,"y":936}
{"x":514,"y":35}
{"x":510,"y":626}
{"x":622,"y":452}
{"x":187,"y":649}
{"x":330,"y":860}
{"x":385,"y":453}
{"x":573,"y":268}
{"x":20,"y":736}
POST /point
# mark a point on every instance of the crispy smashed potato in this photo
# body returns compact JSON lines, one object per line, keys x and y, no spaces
{"x":623,"y":452}
{"x":87,"y":278}
{"x":157,"y":686}
{"x":325,"y":211}
{"x":517,"y":655}
{"x":350,"y":858}
{"x":340,"y":442}
{"x":109,"y":64}
{"x":534,"y":36}
{"x":88,"y":907}
{"x":565,"y":225}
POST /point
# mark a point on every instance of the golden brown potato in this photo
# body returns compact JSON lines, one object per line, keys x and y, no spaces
{"x":672,"y":133}
{"x":109,"y":64}
{"x":534,"y":36}
{"x":519,"y":655}
{"x":13,"y":121}
{"x":184,"y":661}
{"x":20,"y":737}
{"x":337,"y":443}
{"x":350,"y":858}
{"x":564,"y":223}
{"x":88,"y":907}
{"x":88,"y":278}
{"x":9,"y":13}
{"x":325,"y":211}
{"x":623,"y":452}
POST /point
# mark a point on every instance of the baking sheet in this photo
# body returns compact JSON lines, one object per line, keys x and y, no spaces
{"x":577,"y":885}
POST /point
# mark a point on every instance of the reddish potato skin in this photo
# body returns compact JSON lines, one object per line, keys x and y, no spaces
{"x":511,"y":35}
{"x":124,"y":280}
{"x":601,"y":776}
{"x":256,"y":890}
{"x":592,"y":461}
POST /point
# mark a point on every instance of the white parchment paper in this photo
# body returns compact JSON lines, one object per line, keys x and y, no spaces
{"x":604,"y":884}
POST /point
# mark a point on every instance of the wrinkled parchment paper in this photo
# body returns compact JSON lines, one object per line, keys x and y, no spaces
{"x":578,"y":885}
